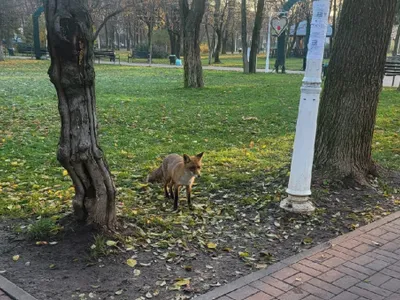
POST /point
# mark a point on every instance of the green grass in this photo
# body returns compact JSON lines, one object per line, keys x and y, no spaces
{"x":227,"y":60}
{"x":244,"y":123}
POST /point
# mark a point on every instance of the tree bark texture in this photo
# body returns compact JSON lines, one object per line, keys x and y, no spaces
{"x":256,"y":36}
{"x":191,"y":19}
{"x":70,"y":44}
{"x":349,"y":100}
{"x":1,"y":51}
{"x":244,"y":36}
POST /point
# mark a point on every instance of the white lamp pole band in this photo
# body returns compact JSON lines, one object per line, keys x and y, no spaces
{"x":303,"y":149}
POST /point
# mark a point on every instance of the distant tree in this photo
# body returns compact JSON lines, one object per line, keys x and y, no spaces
{"x":219,"y":26}
{"x":255,"y":40}
{"x":70,"y":44}
{"x":244,"y":36}
{"x":191,"y":19}
{"x":350,"y":97}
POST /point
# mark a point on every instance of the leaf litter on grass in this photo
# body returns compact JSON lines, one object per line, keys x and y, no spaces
{"x":236,"y":225}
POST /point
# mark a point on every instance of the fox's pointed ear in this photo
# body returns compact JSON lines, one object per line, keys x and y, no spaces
{"x":200,"y":155}
{"x":186,"y":158}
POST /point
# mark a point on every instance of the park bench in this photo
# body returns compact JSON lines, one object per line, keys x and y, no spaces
{"x":138,"y":54}
{"x":25,"y":49}
{"x":392,"y":68}
{"x":107,"y":54}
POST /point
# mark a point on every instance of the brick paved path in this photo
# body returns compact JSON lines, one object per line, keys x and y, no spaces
{"x":3,"y":295}
{"x":362,"y":265}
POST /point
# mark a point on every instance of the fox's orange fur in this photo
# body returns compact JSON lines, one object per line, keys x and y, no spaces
{"x":177,"y":171}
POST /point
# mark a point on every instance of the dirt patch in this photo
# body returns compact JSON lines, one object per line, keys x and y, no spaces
{"x":241,"y":236}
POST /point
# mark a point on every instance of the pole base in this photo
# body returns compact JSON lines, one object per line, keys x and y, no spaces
{"x":297,"y":204}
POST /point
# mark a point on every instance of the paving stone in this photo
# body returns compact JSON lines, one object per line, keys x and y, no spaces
{"x":359,"y":268}
{"x":389,"y":236}
{"x":294,"y":294}
{"x":243,"y":292}
{"x":307,"y":270}
{"x":351,"y":272}
{"x":277,"y":283}
{"x":374,"y":289}
{"x":346,"y":281}
{"x":378,"y":279}
{"x":391,"y":285}
{"x":265,"y":287}
{"x":260,"y":296}
{"x":346,"y":296}
{"x":331,"y":276}
{"x":320,"y":257}
{"x":363,"y":260}
{"x":342,"y":255}
{"x":391,"y":247}
{"x":346,"y":251}
{"x":350,"y":244}
{"x":377,"y":232}
{"x":377,"y":265}
{"x":298,"y":279}
{"x":333,"y":262}
{"x":317,"y":291}
{"x":381,"y":257}
{"x":394,"y":296}
{"x":364,"y":293}
{"x":224,"y":298}
{"x":313,"y":265}
{"x":326,"y":286}
{"x":312,"y":297}
{"x":284,"y":273}
{"x":391,"y":273}
{"x":364,"y":248}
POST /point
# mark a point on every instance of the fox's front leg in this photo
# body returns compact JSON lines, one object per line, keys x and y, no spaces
{"x":176,"y":197}
{"x":188,"y":193}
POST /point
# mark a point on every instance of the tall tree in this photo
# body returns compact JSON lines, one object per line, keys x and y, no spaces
{"x":255,"y":40}
{"x":219,"y":26}
{"x":244,"y":36}
{"x":191,"y":20}
{"x":349,"y":100}
{"x":70,"y":44}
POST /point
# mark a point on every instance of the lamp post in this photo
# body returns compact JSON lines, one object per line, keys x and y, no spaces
{"x":303,"y":151}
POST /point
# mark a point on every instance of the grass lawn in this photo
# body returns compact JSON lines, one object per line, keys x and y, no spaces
{"x":227,"y":60}
{"x":245,"y":125}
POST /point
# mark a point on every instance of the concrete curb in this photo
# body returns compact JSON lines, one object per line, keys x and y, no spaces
{"x":13,"y":290}
{"x":240,"y":282}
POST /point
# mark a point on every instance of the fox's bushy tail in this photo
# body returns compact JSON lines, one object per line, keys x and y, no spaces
{"x":156,"y":176}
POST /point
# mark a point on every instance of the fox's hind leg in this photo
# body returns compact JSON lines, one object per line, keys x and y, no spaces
{"x":171,"y":189}
{"x":176,"y":196}
{"x":166,"y":193}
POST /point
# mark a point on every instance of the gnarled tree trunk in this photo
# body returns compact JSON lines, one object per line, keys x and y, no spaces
{"x":70,"y":43}
{"x":350,"y":97}
{"x":191,"y":20}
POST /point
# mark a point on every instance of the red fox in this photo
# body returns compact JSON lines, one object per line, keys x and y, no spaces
{"x":176,"y":171}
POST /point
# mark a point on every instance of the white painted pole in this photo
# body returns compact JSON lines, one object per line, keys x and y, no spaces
{"x":268,"y":45}
{"x":303,"y":150}
{"x":248,"y":54}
